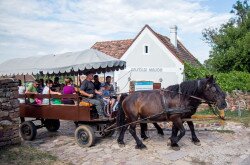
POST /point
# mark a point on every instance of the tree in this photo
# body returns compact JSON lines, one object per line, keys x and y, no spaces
{"x":231,"y":42}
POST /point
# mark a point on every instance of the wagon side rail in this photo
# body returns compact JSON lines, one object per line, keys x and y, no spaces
{"x":50,"y":96}
{"x":74,"y":112}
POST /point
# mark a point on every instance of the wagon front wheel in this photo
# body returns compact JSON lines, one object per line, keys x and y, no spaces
{"x":52,"y":125}
{"x":85,"y":136}
{"x":28,"y":130}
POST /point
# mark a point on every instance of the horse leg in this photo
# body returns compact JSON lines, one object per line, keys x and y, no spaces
{"x":175,"y":139}
{"x":159,"y":129}
{"x":120,"y":139}
{"x":174,"y":133}
{"x":144,"y":127}
{"x":194,"y":137}
{"x":139,"y":144}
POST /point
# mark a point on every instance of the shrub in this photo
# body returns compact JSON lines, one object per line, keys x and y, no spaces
{"x":227,"y":81}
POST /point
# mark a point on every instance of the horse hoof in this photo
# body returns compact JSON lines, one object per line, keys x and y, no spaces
{"x":145,"y":139}
{"x":121,"y":144}
{"x":141,"y":146}
{"x":169,"y":143}
{"x":197,"y":143}
{"x":176,"y":148}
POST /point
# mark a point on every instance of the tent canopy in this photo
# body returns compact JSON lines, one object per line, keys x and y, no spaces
{"x":67,"y":63}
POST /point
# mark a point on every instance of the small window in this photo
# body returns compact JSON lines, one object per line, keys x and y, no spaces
{"x":146,"y":49}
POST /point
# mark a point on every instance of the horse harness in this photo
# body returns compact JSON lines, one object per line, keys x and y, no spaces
{"x":179,"y":109}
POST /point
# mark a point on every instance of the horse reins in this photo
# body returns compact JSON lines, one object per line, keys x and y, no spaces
{"x":134,"y":122}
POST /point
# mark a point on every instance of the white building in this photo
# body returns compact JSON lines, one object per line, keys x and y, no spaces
{"x":150,"y":57}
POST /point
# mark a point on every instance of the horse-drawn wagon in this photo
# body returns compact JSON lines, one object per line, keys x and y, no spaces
{"x":177,"y":103}
{"x":84,"y":115}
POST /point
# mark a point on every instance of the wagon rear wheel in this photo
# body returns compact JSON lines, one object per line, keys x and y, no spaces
{"x":85,"y":136}
{"x":52,"y":125}
{"x":28,"y":130}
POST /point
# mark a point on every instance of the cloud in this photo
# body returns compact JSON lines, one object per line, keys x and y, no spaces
{"x":56,"y":26}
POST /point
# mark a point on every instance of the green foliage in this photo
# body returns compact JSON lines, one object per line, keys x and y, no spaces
{"x":227,"y":81}
{"x":231,"y":42}
{"x":61,"y":78}
{"x":192,"y":72}
{"x":234,"y":80}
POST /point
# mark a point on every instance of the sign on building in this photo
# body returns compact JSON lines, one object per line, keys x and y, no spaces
{"x":143,"y":85}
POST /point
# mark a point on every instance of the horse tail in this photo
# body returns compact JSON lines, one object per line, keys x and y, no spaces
{"x":120,"y":119}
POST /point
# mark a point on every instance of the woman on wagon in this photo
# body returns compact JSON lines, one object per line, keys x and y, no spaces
{"x":68,"y":89}
{"x":47,"y":90}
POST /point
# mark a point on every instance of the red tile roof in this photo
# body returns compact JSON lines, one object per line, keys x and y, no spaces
{"x":119,"y":47}
{"x":113,"y":48}
{"x":180,"y":52}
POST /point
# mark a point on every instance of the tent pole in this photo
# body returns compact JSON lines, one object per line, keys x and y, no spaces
{"x":114,"y":83}
{"x":104,"y":77}
{"x":49,"y":95}
{"x":24,"y":81}
{"x":78,"y":90}
{"x":78,"y":81}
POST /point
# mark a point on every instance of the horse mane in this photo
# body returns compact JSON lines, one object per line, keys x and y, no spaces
{"x":190,"y":87}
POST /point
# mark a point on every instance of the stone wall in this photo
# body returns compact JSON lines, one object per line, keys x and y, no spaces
{"x":235,"y":100}
{"x":9,"y":112}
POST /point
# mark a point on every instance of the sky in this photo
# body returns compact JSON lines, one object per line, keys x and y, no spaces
{"x":40,"y":27}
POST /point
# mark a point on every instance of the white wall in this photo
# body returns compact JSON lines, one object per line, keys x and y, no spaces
{"x":159,"y":63}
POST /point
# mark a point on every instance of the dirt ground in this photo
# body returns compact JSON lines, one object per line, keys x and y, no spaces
{"x":228,"y":144}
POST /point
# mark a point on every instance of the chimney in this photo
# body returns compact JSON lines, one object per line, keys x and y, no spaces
{"x":173,"y":35}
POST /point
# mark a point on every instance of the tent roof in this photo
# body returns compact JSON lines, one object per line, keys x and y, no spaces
{"x":66,"y":63}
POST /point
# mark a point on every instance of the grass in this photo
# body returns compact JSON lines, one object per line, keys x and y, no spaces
{"x":231,"y":116}
{"x":223,"y":131}
{"x":23,"y":155}
{"x":204,"y":112}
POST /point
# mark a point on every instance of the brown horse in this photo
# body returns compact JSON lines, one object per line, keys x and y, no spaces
{"x":173,"y":104}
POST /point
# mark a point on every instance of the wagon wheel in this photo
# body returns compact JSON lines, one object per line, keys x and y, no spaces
{"x":52,"y":125}
{"x":85,"y":136}
{"x":28,"y":130}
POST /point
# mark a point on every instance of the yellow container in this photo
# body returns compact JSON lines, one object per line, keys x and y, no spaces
{"x":86,"y":104}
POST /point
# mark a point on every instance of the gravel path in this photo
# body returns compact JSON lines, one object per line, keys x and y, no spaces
{"x":217,"y":147}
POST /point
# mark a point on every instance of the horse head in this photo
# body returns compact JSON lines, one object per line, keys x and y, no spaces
{"x":213,"y":93}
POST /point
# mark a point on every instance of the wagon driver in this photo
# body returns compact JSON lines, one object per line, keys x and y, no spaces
{"x":88,"y":90}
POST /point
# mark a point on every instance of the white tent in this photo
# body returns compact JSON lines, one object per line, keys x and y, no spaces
{"x":67,"y":63}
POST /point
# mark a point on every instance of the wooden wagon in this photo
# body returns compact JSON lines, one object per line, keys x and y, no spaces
{"x":84,"y":115}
